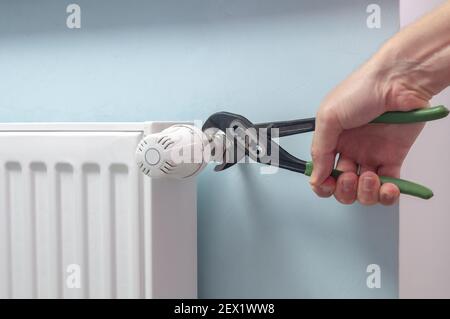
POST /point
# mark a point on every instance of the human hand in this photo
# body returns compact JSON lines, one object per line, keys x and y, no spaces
{"x":410,"y":68}
{"x":367,"y":149}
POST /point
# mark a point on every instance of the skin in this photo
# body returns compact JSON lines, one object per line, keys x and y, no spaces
{"x":403,"y":75}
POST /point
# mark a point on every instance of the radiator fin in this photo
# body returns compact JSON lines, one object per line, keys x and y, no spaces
{"x":58,"y":220}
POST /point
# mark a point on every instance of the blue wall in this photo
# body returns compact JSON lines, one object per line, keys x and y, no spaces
{"x":259,"y":235}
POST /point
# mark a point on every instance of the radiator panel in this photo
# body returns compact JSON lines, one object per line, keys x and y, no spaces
{"x":77,"y":219}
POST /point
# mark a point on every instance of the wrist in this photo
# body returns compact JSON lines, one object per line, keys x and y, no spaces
{"x":423,"y":67}
{"x":406,"y":80}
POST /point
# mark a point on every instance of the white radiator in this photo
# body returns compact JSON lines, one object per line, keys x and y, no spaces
{"x":79,"y":220}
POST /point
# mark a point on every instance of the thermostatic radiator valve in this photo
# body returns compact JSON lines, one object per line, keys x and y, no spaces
{"x":180,"y":151}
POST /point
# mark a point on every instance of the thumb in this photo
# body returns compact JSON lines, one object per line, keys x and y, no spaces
{"x":324,"y":144}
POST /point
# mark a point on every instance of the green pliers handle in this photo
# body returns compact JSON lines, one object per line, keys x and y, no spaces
{"x":420,"y":115}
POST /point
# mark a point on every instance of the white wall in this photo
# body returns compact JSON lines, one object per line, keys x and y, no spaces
{"x":258,"y":235}
{"x":425,"y":225}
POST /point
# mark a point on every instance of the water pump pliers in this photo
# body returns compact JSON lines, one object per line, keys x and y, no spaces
{"x":256,"y":141}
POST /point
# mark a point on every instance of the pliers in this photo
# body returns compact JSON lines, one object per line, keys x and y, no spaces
{"x":245,"y":139}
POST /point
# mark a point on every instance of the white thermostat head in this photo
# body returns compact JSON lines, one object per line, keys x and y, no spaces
{"x":176,"y":152}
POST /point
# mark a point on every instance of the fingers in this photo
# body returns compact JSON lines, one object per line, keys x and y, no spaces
{"x":368,"y":188}
{"x":346,"y":164}
{"x":367,"y":168}
{"x":389,"y":193}
{"x":323,"y":147}
{"x":326,"y":189}
{"x":368,"y":193}
{"x":347,"y":182}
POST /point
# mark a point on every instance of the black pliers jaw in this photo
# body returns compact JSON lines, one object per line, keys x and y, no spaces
{"x":258,"y":143}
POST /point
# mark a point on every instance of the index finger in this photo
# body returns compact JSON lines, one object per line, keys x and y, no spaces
{"x":323,"y":147}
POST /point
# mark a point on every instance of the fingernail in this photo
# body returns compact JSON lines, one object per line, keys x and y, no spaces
{"x":368,"y":184}
{"x":347,"y":185}
{"x":326,"y":188}
{"x":388,"y":197}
